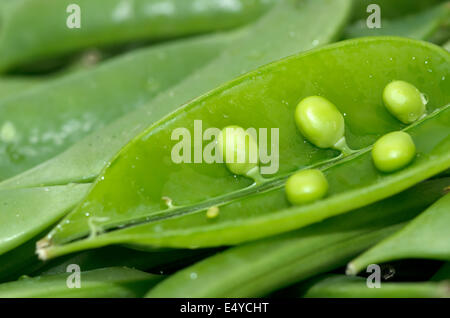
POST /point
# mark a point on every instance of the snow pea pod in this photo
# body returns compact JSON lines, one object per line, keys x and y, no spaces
{"x":427,"y":236}
{"x":48,"y":119}
{"x":262,"y":210}
{"x":274,"y":36}
{"x":421,"y":25}
{"x":114,"y":282}
{"x":341,"y":286}
{"x":84,"y":160}
{"x":18,"y":227}
{"x":261,"y":267}
{"x":110,"y":22}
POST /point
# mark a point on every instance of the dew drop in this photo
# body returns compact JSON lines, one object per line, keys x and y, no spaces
{"x":193,"y":275}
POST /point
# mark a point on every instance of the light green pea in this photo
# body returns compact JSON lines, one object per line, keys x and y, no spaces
{"x":320,"y":121}
{"x":306,"y":186}
{"x":404,"y":101}
{"x":393,"y":151}
{"x":239,"y":150}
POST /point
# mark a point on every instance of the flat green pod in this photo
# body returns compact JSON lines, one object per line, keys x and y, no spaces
{"x":113,"y":282}
{"x":259,"y":268}
{"x":341,"y":286}
{"x":53,"y":116}
{"x":109,"y":22}
{"x":427,"y":236}
{"x":249,"y":212}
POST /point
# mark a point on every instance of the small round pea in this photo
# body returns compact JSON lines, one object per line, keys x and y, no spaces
{"x":212,"y":212}
{"x":404,"y":101}
{"x":239,"y":150}
{"x":319,"y":121}
{"x":306,"y":186}
{"x":393,"y":151}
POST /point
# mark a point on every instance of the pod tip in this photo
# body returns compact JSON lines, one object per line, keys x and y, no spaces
{"x":351,"y":270}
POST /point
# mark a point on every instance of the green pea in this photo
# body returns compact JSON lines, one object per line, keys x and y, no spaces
{"x":393,"y":151}
{"x":319,"y":121}
{"x":239,"y":150}
{"x":404,"y":101}
{"x":306,"y":186}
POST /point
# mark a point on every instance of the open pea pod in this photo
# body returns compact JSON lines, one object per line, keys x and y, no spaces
{"x":341,"y":286}
{"x":273,"y":37}
{"x":420,"y":25}
{"x":427,"y":236}
{"x":43,"y":122}
{"x":262,"y":267}
{"x":110,"y":22}
{"x":115,"y":282}
{"x":286,"y":29}
{"x":131,"y":191}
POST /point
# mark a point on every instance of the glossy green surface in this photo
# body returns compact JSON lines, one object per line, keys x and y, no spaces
{"x":239,"y":150}
{"x":18,"y":227}
{"x":319,"y":121}
{"x":259,"y":268}
{"x":111,"y":22}
{"x":272,"y":37}
{"x":393,"y":151}
{"x":404,"y":101}
{"x":50,"y":118}
{"x":306,"y":186}
{"x":427,"y":236}
{"x":341,"y":286}
{"x":250,"y":213}
{"x":114,"y":282}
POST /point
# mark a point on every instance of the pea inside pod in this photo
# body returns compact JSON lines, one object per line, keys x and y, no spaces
{"x":321,"y":123}
{"x":306,"y":186}
{"x":404,"y":101}
{"x":239,"y":151}
{"x":393,"y":151}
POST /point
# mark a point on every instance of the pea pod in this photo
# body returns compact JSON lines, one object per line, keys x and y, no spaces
{"x":110,"y":22}
{"x":248,"y":213}
{"x":84,"y":161}
{"x":427,"y":236}
{"x":279,"y":28}
{"x":421,"y":25}
{"x":262,"y":267}
{"x":101,"y":283}
{"x":50,"y":118}
{"x":341,"y":286}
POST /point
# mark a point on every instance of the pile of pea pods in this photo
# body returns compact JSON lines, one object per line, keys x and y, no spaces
{"x":225,"y":148}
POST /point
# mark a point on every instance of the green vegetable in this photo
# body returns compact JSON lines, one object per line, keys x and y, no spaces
{"x":101,"y":283}
{"x":340,"y":286}
{"x":306,"y":186}
{"x":239,"y":150}
{"x":320,"y":122}
{"x":427,"y":236}
{"x":129,"y":193}
{"x":404,"y":101}
{"x":259,"y":268}
{"x":110,"y":22}
{"x":393,"y":151}
{"x":50,"y":118}
{"x":84,"y":161}
{"x":279,"y":27}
